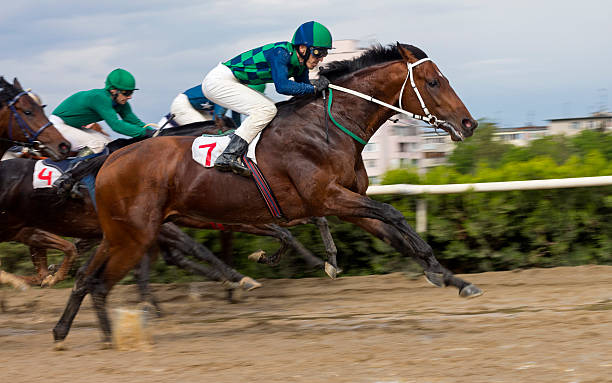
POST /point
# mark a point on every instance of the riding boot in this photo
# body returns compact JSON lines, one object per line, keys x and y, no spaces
{"x":68,"y":182}
{"x":231,"y":158}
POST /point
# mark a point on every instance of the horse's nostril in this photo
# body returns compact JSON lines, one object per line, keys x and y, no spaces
{"x":469,"y":123}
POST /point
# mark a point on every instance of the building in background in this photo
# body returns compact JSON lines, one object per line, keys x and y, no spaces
{"x":520,"y":136}
{"x":601,"y":121}
{"x":396,"y":144}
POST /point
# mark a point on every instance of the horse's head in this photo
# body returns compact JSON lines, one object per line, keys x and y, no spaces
{"x":23,"y":121}
{"x":427,"y":92}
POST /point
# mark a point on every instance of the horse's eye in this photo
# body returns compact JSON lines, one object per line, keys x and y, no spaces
{"x":27,"y":112}
{"x":433,"y":83}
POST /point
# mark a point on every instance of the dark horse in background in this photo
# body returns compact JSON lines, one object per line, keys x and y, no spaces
{"x":23,"y":122}
{"x":313,"y":174}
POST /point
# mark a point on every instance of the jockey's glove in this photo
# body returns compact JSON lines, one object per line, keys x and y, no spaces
{"x":148,"y":133}
{"x":320,"y":84}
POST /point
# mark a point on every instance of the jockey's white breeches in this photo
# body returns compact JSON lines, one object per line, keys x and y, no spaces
{"x":185,"y":113}
{"x":80,"y":138}
{"x":223,"y":88}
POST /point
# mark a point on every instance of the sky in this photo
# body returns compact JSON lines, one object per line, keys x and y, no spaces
{"x":514,"y":63}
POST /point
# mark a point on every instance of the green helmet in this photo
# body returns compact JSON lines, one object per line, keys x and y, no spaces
{"x":312,"y":34}
{"x":120,"y":79}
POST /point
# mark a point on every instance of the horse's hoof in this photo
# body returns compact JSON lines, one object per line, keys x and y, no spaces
{"x":60,"y":346}
{"x":248,"y":284}
{"x":149,"y":309}
{"x":49,"y":281}
{"x":331,"y":270}
{"x":106,"y":345}
{"x":436,"y":279}
{"x":257,"y":256}
{"x":470,"y":291}
{"x":235,"y":295}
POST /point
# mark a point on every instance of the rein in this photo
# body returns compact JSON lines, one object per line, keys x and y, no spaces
{"x":28,"y":132}
{"x":427,"y":117}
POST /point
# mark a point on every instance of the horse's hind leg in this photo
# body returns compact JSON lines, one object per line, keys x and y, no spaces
{"x":176,"y":246}
{"x":82,"y":286}
{"x":120,"y":260}
{"x":142,"y":274}
{"x":39,"y":241}
{"x":16,"y":282}
{"x":331,"y":266}
{"x":287,"y":240}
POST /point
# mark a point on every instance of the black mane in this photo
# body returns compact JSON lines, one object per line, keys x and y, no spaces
{"x":376,"y":54}
{"x":7,"y":91}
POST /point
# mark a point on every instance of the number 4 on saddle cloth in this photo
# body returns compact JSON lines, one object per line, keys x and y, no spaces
{"x":46,"y":172}
{"x":205,"y":150}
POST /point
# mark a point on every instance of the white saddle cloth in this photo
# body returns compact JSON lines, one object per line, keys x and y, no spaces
{"x":206,"y":149}
{"x":44,"y":176}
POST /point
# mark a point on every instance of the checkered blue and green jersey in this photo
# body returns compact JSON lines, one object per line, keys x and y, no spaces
{"x":272,"y":63}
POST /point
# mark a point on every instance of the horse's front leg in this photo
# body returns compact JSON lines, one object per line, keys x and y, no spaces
{"x":388,"y":224}
{"x":414,"y":246}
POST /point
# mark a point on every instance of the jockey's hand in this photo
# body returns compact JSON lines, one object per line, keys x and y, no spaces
{"x":149,"y":133}
{"x":320,"y":84}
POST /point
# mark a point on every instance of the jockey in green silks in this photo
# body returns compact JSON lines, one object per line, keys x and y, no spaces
{"x":74,"y":116}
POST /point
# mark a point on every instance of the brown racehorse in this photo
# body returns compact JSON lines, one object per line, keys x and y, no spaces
{"x":23,"y":122}
{"x":311,"y":172}
{"x":31,"y":216}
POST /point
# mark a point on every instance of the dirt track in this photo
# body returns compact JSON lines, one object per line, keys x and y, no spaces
{"x":552,"y":325}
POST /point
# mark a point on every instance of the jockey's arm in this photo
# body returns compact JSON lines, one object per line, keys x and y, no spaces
{"x":279,"y":62}
{"x":132,"y":127}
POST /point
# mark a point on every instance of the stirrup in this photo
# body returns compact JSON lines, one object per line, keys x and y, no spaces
{"x":64,"y":184}
{"x":233,"y":165}
{"x":239,"y":168}
{"x":75,"y":193}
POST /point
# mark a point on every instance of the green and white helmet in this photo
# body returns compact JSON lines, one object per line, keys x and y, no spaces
{"x":120,"y":79}
{"x":312,"y":34}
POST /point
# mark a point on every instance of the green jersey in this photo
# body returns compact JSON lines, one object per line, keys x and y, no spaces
{"x":272,"y":63}
{"x":86,"y":107}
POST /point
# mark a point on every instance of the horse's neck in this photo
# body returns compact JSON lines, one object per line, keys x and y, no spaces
{"x":383,"y":83}
{"x":4,"y":145}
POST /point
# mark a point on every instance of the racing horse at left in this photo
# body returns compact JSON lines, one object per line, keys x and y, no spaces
{"x":314,"y":172}
{"x":23,"y":122}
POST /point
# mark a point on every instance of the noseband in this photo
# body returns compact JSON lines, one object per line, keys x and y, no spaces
{"x":28,"y":132}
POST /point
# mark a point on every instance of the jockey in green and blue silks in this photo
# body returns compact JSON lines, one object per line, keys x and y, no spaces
{"x":227,"y":84}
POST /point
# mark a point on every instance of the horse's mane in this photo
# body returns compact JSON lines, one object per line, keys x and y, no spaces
{"x":7,"y":91}
{"x":376,"y":54}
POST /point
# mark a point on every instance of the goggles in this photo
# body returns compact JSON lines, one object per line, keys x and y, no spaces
{"x":318,"y":52}
{"x":126,"y":93}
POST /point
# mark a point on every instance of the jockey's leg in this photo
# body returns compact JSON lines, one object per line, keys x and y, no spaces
{"x":184,"y":112}
{"x":221,"y":87}
{"x":89,"y":143}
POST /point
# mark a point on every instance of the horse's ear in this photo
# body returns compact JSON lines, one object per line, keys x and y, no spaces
{"x":16,"y":84}
{"x":406,"y":54}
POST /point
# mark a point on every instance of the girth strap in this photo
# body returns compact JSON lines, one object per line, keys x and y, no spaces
{"x":264,"y":189}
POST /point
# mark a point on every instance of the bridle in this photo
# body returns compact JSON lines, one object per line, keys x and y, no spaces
{"x":427,"y":116}
{"x":28,"y":132}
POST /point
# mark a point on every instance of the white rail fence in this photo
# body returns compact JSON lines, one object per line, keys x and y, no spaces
{"x":421,"y":213}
